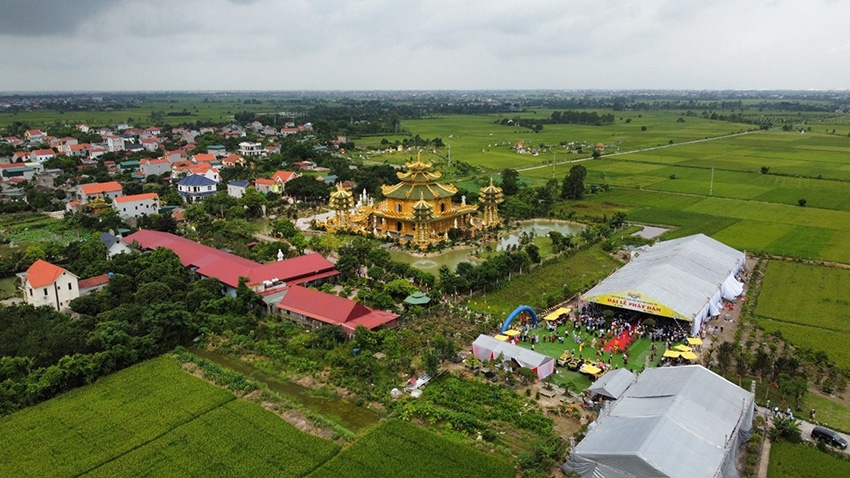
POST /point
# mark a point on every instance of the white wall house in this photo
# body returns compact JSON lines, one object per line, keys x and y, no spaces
{"x":195,"y":187}
{"x":111,"y":189}
{"x":113,"y":143}
{"x":250,"y":149}
{"x":136,"y":205}
{"x":45,"y":284}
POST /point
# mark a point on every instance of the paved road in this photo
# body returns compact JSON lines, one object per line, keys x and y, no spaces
{"x":549,"y":165}
{"x":805,"y":428}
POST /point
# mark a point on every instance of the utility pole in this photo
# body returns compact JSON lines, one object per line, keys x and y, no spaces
{"x":553,"y":165}
{"x":711,"y":185}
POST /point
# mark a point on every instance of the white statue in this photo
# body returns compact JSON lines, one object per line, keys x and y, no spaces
{"x":279,"y":255}
{"x":463,"y":200}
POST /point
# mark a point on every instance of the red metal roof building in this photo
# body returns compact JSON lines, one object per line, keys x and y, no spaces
{"x":278,"y":282}
{"x":228,"y":268}
{"x":312,"y":307}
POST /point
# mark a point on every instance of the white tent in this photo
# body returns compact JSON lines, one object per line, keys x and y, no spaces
{"x":487,"y":348}
{"x":613,"y":383}
{"x":685,"y":279}
{"x":672,"y":422}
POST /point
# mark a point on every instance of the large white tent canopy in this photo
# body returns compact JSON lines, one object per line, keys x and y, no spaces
{"x":684,"y":279}
{"x":672,"y":422}
{"x":487,"y":348}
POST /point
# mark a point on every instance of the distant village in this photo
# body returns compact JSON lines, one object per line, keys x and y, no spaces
{"x":194,"y":175}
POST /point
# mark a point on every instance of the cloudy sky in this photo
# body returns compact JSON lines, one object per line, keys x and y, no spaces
{"x":423,"y":44}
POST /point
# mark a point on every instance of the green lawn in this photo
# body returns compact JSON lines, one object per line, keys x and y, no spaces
{"x":575,"y":273}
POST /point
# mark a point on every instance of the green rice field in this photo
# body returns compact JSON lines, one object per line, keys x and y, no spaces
{"x":154,"y":419}
{"x":400,"y":449}
{"x":809,"y":305}
{"x":788,"y":460}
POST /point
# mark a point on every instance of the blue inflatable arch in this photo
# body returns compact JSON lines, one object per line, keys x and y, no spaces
{"x":522,"y":308}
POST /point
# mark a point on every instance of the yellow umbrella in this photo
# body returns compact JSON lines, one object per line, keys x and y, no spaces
{"x":501,"y":337}
{"x":682,"y":348}
{"x":694,"y":341}
{"x":590,"y":369}
{"x":512,"y":332}
{"x":557,"y":313}
{"x":689,"y":356}
{"x":671,"y":353}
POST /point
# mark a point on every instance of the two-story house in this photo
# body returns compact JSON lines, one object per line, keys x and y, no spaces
{"x":195,"y":187}
{"x":47,"y":284}
{"x":87,"y":192}
{"x":136,"y":205}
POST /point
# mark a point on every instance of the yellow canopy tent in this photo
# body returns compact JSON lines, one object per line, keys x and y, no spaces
{"x":501,"y":337}
{"x":512,"y":332}
{"x":694,"y":341}
{"x":557,"y":313}
{"x":689,"y":356}
{"x":682,"y":348}
{"x":671,"y":353}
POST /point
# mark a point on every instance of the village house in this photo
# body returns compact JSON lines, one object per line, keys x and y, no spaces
{"x":114,"y":245}
{"x":154,"y":167}
{"x":195,"y":187}
{"x":250,"y":149}
{"x":237,"y":188}
{"x":136,"y":205}
{"x":87,"y":192}
{"x":45,"y":284}
{"x":42,"y":155}
{"x":34,"y":135}
{"x":233,"y":160}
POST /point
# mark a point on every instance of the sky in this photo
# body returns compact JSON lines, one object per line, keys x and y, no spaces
{"x":201,"y":45}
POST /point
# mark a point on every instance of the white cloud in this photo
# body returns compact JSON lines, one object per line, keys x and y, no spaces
{"x":423,"y":44}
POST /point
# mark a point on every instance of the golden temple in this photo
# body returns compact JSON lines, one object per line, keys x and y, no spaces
{"x":418,"y":210}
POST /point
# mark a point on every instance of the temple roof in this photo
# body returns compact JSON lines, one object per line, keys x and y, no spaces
{"x":419,"y":181}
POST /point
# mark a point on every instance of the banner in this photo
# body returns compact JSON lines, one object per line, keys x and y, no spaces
{"x":633,"y":300}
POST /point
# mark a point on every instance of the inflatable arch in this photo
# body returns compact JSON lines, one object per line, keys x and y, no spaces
{"x":522,"y":308}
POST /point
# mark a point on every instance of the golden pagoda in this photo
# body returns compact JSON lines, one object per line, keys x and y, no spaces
{"x":491,"y":197}
{"x":418,"y":210}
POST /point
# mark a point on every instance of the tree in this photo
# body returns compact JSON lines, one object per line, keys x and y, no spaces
{"x":510,"y":182}
{"x":724,"y":356}
{"x":533,"y":253}
{"x":254,"y":203}
{"x":573,"y":185}
{"x":284,"y":228}
{"x":801,"y":202}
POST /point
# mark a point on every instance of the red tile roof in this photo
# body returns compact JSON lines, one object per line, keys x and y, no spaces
{"x":228,"y":268}
{"x":332,"y":309}
{"x":94,"y":281}
{"x":284,"y":176}
{"x":99,"y":188}
{"x":44,"y":152}
{"x":42,"y":273}
{"x":203,"y":157}
{"x":137,"y":197}
{"x":264,"y":181}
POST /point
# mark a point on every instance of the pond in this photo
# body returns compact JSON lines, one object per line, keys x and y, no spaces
{"x":451,"y":258}
{"x":538,"y":228}
{"x":343,"y":412}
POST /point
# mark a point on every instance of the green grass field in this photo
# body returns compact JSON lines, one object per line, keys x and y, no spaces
{"x":809,"y":305}
{"x":788,"y":460}
{"x":154,"y":417}
{"x":400,"y":449}
{"x":576,"y":273}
